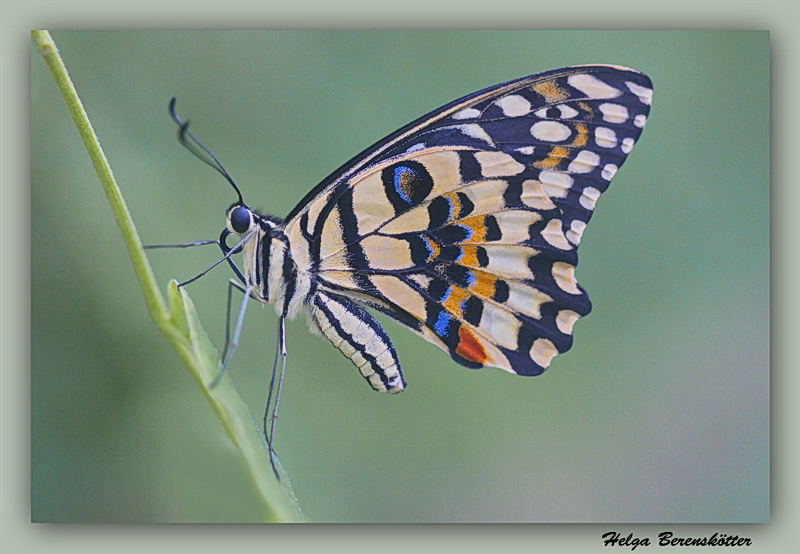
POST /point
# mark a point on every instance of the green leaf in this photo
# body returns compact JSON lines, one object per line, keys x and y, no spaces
{"x":204,"y":363}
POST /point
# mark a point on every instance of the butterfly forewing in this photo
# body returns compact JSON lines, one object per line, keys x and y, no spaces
{"x":464,"y":225}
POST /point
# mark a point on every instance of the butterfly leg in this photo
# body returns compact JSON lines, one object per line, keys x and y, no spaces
{"x":232,"y":343}
{"x":226,"y":251}
{"x":269,"y":420}
{"x":360,"y":337}
{"x":280,"y":360}
{"x":184,"y":245}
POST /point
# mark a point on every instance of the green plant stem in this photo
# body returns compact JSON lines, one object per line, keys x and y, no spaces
{"x":178,"y":321}
{"x":147,"y":280}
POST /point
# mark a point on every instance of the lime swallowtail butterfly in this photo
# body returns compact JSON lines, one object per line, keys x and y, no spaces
{"x":462,"y":226}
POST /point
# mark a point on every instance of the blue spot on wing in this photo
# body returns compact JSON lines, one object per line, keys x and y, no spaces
{"x":428,"y":246}
{"x":470,"y":279}
{"x":442,"y":323}
{"x":399,"y":173}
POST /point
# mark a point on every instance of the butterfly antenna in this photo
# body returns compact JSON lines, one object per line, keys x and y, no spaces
{"x":197,"y":149}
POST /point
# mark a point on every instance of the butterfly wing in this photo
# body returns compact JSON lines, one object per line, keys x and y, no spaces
{"x":464,"y":225}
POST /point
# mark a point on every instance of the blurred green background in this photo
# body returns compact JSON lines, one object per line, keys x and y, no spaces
{"x":659,"y":413}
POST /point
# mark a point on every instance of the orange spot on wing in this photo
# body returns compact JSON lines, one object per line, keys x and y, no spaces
{"x":553,"y":158}
{"x":477,"y":226}
{"x":582,"y":136}
{"x":484,"y":284}
{"x":469,"y":256}
{"x":468,"y":346}
{"x":433,"y":248}
{"x":455,"y":297}
{"x":455,"y":205}
{"x":551,"y":92}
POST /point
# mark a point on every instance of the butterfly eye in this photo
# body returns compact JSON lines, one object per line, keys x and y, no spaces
{"x":240,"y":219}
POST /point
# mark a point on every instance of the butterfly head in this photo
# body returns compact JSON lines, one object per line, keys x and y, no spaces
{"x":239,"y":219}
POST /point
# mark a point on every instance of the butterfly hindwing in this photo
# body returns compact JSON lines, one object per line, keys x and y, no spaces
{"x":472,"y":264}
{"x":464,"y":225}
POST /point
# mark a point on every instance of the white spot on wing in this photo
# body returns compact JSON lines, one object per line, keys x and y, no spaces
{"x":498,"y":164}
{"x":589,"y":197}
{"x":614,"y":113}
{"x":576,"y":231}
{"x":525,"y":299}
{"x":609,"y":171}
{"x":627,"y":145}
{"x":584,"y":162}
{"x":370,"y":204}
{"x":331,"y":238}
{"x":553,"y":233}
{"x":500,"y":325}
{"x":487,"y":195}
{"x":592,"y":87}
{"x":422,"y":280}
{"x":533,"y":195}
{"x":645,"y":94}
{"x":640,"y":120}
{"x":314,"y":211}
{"x":542,"y":352}
{"x":550,"y":131}
{"x":514,"y":105}
{"x":467,"y":113}
{"x":509,"y":261}
{"x":514,"y":224}
{"x":605,"y":137}
{"x":565,"y":320}
{"x":475,"y":131}
{"x":567,"y":112}
{"x":555,"y":183}
{"x":564,"y":276}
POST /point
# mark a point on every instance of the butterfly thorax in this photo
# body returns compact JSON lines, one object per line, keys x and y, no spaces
{"x":269,"y":269}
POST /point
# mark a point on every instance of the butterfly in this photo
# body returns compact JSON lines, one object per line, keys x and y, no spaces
{"x":462,"y":226}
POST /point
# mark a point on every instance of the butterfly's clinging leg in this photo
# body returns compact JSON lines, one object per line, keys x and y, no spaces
{"x":269,"y":430}
{"x":231,"y":285}
{"x":232,"y":343}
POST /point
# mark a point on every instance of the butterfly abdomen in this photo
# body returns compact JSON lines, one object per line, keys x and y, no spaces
{"x":360,"y":338}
